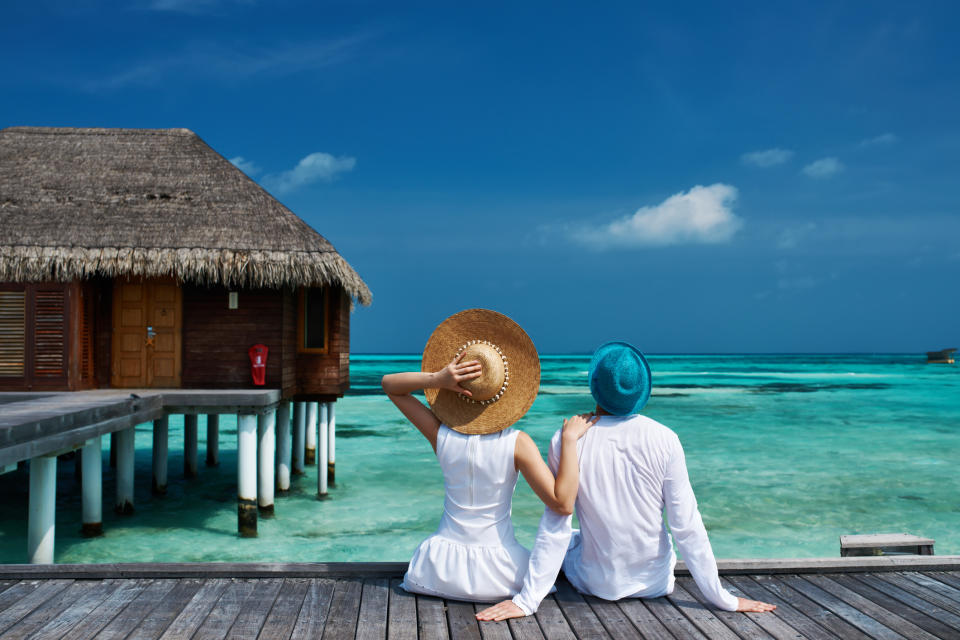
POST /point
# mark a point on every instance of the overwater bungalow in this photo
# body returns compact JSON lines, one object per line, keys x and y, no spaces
{"x":143,"y":259}
{"x":944,"y":356}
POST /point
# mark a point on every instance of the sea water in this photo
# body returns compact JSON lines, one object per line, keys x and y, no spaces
{"x":785,"y":454}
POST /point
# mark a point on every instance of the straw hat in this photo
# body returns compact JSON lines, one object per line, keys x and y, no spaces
{"x":509,"y":364}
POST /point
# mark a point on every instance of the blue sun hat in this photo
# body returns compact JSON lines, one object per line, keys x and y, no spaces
{"x":620,"y":378}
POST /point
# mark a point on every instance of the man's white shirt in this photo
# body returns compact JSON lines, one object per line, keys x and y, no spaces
{"x":632,"y":472}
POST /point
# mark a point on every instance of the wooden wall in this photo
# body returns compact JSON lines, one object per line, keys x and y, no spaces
{"x":325,"y":377}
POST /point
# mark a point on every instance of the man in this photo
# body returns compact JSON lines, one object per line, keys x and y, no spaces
{"x":632,"y":470}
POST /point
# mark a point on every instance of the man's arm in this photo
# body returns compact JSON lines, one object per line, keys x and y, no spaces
{"x":546,"y":558}
{"x":687,"y":528}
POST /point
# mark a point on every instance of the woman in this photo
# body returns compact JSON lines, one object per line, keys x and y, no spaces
{"x":480,"y":374}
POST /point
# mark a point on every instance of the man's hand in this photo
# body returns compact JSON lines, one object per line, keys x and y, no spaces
{"x":754,"y":606}
{"x":575,"y":427}
{"x":456,"y":372}
{"x":502,"y":611}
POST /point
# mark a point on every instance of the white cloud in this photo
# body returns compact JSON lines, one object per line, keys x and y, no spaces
{"x":824,"y":168}
{"x":790,"y":237}
{"x":882,"y":140}
{"x":702,"y":215}
{"x":767,"y":157}
{"x":316,"y":167}
{"x":247,"y":166}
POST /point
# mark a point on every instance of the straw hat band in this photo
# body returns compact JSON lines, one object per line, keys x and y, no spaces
{"x":494,"y":369}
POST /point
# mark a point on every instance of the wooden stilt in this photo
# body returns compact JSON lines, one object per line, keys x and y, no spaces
{"x":113,"y":450}
{"x":299,"y":434}
{"x":322,"y":442}
{"x":91,"y":457}
{"x":311,"y":446}
{"x":190,"y":445}
{"x":283,"y":447}
{"x":42,"y":509}
{"x":213,"y":440}
{"x":266,"y":426}
{"x":332,"y":452}
{"x":126,"y":448}
{"x":160,"y":451}
{"x":247,"y":475}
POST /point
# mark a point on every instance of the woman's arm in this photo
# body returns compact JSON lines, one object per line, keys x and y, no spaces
{"x":399,"y":386}
{"x":559,"y":494}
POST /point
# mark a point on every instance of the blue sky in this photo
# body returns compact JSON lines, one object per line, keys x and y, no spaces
{"x":698,"y":177}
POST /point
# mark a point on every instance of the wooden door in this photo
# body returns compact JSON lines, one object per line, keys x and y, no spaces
{"x":147,"y":318}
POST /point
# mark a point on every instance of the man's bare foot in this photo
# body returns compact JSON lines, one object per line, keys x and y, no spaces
{"x":754,"y":606}
{"x":501,"y":611}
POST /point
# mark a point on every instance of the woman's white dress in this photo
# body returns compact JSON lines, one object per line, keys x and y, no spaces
{"x":473,"y":555}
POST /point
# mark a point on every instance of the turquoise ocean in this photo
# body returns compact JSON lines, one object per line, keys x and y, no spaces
{"x":785,"y":452}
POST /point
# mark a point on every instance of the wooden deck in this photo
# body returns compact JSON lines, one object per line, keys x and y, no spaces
{"x":915,"y":605}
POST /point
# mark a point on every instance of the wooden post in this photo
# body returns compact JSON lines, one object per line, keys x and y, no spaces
{"x":311,"y":448}
{"x":160,"y":443}
{"x":113,"y":450}
{"x":42,"y":509}
{"x":190,"y":445}
{"x":299,"y":433}
{"x":266,"y":425}
{"x":322,"y":441}
{"x":92,"y":488}
{"x":126,"y":448}
{"x":283,"y":447}
{"x":213,"y":440}
{"x":332,"y":428}
{"x":247,"y":475}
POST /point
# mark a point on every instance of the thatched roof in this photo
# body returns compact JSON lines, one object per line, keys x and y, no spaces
{"x":148,"y":202}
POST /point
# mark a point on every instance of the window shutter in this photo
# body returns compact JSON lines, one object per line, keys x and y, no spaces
{"x":13,"y":334}
{"x":50,"y":323}
{"x":86,"y":335}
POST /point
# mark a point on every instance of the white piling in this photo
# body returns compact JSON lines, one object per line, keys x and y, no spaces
{"x":311,"y":442}
{"x":322,"y":441}
{"x":267,"y":427}
{"x":160,"y":443}
{"x":213,"y":440}
{"x":42,"y":509}
{"x":283,"y":447}
{"x":125,"y":452}
{"x":190,"y":445}
{"x":247,"y":475}
{"x":299,"y":433}
{"x":332,"y":451}
{"x":91,"y":458}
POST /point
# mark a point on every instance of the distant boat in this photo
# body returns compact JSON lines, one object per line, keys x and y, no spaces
{"x":944,"y":356}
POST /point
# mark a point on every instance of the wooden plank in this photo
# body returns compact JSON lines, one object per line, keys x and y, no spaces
{"x":35,"y":598}
{"x":581,"y":617}
{"x":6,"y":584}
{"x":158,"y":617}
{"x":525,"y":628}
{"x":743,"y":626}
{"x":315,"y":609}
{"x":852,"y":615}
{"x":951,"y":578}
{"x":813,"y":610}
{"x":552,"y":621}
{"x":613,"y":619}
{"x":772,"y":623}
{"x":286,"y":608}
{"x":922,"y":620}
{"x":701,"y":617}
{"x":641,"y":617}
{"x":196,"y":610}
{"x":344,"y":609}
{"x":77,"y":610}
{"x":871,"y":608}
{"x":117,"y":616}
{"x":225,"y":610}
{"x":462,"y":620}
{"x":490,"y":630}
{"x":372,"y":621}
{"x":933,"y":591}
{"x":17,"y":591}
{"x":254,"y":610}
{"x":51,"y":609}
{"x":910,"y":598}
{"x":402,"y":613}
{"x":674,"y":620}
{"x":431,"y":619}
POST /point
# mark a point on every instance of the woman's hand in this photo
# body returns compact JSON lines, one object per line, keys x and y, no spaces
{"x":456,"y":372}
{"x":754,"y":606}
{"x":501,"y":611}
{"x":575,"y":427}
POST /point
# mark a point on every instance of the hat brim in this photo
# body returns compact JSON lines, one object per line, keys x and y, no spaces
{"x":607,"y":404}
{"x":524,"y":364}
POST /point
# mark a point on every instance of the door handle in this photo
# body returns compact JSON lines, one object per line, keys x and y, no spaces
{"x":151,"y":334}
